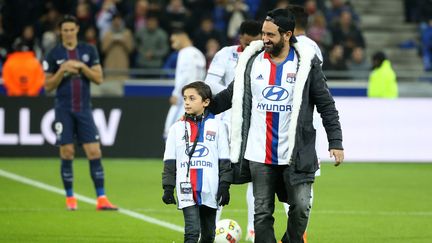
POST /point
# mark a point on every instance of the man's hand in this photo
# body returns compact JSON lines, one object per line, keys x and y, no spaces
{"x":68,"y":68}
{"x":168,"y":196}
{"x":338,"y":155}
{"x":72,"y":66}
{"x":223,"y":195}
{"x":78,"y":64}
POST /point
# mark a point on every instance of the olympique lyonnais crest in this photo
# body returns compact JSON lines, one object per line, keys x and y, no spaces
{"x":210,"y":135}
{"x":291,"y":78}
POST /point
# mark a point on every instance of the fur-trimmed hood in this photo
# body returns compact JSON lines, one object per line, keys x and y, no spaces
{"x":305,"y":56}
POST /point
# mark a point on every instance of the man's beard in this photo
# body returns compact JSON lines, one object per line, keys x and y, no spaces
{"x":276,"y":49}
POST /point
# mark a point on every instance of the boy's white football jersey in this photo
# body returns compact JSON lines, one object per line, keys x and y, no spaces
{"x":203,"y":177}
{"x":272,"y":87}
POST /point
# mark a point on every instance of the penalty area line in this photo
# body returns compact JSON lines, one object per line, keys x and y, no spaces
{"x":88,"y":200}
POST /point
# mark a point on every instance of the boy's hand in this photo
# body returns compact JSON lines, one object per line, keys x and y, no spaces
{"x":223,"y":195}
{"x":168,"y":196}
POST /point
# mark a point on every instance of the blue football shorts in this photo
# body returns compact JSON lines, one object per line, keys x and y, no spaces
{"x":75,"y":126}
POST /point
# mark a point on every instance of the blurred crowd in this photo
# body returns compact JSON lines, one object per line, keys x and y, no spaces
{"x":420,"y":12}
{"x":135,"y":33}
{"x":132,"y":36}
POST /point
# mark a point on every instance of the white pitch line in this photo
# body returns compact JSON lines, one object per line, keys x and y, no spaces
{"x":88,"y":200}
{"x":382,"y":213}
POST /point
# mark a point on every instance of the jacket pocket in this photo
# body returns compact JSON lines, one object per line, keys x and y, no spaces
{"x":241,"y":172}
{"x":306,"y":157}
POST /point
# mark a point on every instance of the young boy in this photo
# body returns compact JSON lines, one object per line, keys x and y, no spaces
{"x":196,"y":163}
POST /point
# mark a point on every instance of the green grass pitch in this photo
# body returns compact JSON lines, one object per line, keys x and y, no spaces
{"x":356,"y":202}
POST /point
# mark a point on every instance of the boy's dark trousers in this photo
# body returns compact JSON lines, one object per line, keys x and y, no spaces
{"x":199,"y":219}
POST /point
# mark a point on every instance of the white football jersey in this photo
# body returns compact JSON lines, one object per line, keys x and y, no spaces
{"x":272,"y":88}
{"x":191,"y":67}
{"x":221,"y":73}
{"x":212,"y":145}
{"x":222,"y":68}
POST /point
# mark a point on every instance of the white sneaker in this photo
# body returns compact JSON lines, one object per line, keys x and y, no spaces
{"x":250,"y":236}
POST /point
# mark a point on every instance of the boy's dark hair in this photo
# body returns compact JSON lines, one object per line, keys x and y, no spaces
{"x":300,"y":15}
{"x":202,"y":88}
{"x":250,"y":27}
{"x":68,"y":19}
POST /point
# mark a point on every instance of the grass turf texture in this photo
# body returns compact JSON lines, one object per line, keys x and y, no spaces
{"x":357,"y":202}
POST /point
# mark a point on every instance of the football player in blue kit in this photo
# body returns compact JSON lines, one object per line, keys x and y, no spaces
{"x":70,"y":67}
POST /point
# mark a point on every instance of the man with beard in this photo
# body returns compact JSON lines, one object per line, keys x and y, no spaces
{"x":273,"y":98}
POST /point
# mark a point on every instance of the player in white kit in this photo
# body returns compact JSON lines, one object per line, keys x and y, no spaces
{"x":191,"y":66}
{"x":219,"y":75}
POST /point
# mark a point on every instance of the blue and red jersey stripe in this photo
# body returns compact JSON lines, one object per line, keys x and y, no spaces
{"x":76,"y":84}
{"x":196,"y":178}
{"x":272,"y":118}
{"x":196,"y":175}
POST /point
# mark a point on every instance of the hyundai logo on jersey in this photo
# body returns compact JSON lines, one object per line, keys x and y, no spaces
{"x":275,"y":93}
{"x":200,"y":151}
{"x":197,"y":164}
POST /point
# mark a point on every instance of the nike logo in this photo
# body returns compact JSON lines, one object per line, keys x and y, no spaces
{"x":60,"y":61}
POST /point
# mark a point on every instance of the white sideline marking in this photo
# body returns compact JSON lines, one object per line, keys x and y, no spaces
{"x":382,"y":213}
{"x":336,"y":212}
{"x":88,"y":200}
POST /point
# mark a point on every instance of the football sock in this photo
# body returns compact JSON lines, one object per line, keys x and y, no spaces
{"x":97,"y":175}
{"x":67,"y":176}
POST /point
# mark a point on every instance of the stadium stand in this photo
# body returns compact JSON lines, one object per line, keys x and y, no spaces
{"x":382,"y":27}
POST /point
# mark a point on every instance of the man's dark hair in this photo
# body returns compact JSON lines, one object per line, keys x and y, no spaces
{"x":153,"y":14}
{"x":179,"y":31}
{"x":68,"y":19}
{"x":300,"y":15}
{"x":22,"y":45}
{"x":283,"y":18}
{"x":202,"y":88}
{"x":117,"y":14}
{"x":378,"y":58}
{"x":250,"y":27}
